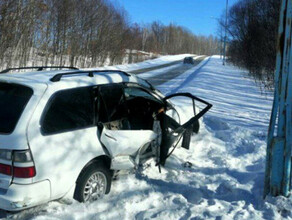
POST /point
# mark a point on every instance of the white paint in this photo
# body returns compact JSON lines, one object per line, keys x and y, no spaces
{"x":126,"y":142}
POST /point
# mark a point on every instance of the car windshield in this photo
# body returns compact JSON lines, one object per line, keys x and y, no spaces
{"x":13,"y":99}
{"x":136,"y":92}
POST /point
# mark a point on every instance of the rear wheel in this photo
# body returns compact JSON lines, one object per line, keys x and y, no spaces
{"x":93,"y":183}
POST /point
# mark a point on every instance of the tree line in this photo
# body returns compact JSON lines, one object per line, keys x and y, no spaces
{"x":85,"y":33}
{"x":252,"y":30}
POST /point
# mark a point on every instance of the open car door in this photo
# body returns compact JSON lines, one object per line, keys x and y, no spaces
{"x":126,"y":123}
{"x":173,"y":132}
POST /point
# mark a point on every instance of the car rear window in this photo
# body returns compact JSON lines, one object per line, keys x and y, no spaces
{"x":13,"y":99}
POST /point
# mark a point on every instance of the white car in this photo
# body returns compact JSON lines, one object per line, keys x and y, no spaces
{"x":67,"y":129}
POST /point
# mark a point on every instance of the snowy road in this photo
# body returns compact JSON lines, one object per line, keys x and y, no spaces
{"x":225,"y":180}
{"x":148,"y":69}
{"x":162,"y":74}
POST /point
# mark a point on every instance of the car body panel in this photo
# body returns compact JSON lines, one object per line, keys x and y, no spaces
{"x":5,"y":180}
{"x":126,"y":142}
{"x":19,"y":197}
{"x":74,"y":150}
{"x":17,"y":139}
{"x":125,"y":146}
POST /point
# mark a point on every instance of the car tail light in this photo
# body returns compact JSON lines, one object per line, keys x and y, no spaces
{"x":22,"y":163}
{"x":5,"y":169}
{"x":24,"y":172}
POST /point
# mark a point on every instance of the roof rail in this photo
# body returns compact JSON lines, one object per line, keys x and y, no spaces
{"x":90,"y":73}
{"x":39,"y":68}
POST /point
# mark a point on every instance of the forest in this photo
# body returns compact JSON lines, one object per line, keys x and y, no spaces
{"x":86,"y":33}
{"x":252,"y":32}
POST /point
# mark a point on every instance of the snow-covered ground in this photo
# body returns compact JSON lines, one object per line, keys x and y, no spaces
{"x":149,"y":63}
{"x":226,"y":178}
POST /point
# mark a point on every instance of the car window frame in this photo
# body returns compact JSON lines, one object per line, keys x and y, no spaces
{"x":23,"y":108}
{"x":50,"y":101}
{"x":151,"y":92}
{"x":94,"y":89}
{"x":102,"y":100}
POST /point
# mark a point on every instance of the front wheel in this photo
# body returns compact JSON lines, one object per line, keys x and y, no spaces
{"x":93,"y":183}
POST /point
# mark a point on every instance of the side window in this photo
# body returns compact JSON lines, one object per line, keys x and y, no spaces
{"x":133,"y":92}
{"x":112,"y":104}
{"x":68,"y":110}
{"x":13,"y":99}
{"x":141,"y":105}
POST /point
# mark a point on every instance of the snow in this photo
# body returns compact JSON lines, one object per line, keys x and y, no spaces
{"x":148,"y":63}
{"x":159,"y":71}
{"x":155,"y":62}
{"x":227,"y":157}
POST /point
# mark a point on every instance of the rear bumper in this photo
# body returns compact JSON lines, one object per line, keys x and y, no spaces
{"x":18,"y":197}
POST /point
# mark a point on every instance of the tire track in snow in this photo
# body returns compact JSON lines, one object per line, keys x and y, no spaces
{"x":169,"y":73}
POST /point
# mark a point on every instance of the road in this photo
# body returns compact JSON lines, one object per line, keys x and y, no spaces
{"x":157,"y":80}
{"x":144,"y":70}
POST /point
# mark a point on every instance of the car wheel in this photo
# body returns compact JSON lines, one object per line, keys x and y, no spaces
{"x":196,"y":127}
{"x":93,"y":183}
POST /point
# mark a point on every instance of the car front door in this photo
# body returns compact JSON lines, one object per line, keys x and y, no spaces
{"x":173,"y":132}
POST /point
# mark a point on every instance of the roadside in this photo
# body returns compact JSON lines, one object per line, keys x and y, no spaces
{"x":152,"y":63}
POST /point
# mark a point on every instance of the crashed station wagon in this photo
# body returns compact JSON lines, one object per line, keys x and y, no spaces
{"x":75,"y":129}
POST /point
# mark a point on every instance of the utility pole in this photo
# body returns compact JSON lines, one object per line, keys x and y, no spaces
{"x":279,"y":143}
{"x":225,"y":37}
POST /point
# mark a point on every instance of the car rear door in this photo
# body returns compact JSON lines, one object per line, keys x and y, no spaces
{"x":124,"y":136}
{"x":14,"y":98}
{"x":62,"y":135}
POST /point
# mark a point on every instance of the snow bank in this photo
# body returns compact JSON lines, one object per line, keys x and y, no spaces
{"x":148,"y":63}
{"x":226,"y":178}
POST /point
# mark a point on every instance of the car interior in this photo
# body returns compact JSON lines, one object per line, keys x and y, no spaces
{"x":129,"y":108}
{"x":121,"y":109}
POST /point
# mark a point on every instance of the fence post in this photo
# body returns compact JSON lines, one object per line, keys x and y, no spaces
{"x":279,"y":143}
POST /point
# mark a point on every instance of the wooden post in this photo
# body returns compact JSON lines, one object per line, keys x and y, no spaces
{"x":279,"y":143}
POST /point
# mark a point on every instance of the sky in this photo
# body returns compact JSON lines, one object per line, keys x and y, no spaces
{"x":199,"y":16}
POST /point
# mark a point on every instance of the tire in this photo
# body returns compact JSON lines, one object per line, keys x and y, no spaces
{"x":86,"y":189}
{"x":196,"y":127}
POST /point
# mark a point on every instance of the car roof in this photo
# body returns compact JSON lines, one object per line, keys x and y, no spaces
{"x":76,"y":78}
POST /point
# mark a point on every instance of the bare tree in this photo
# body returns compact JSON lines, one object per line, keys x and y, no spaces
{"x":252,"y":30}
{"x":85,"y":33}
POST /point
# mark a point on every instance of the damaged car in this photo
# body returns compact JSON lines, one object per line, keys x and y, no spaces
{"x":70,"y":129}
